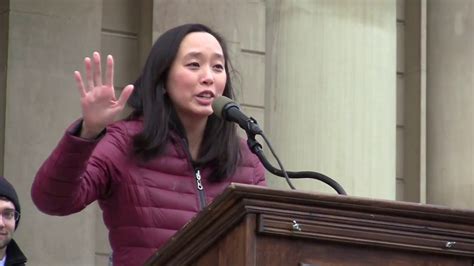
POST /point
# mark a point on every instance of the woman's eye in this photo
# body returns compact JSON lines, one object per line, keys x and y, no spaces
{"x":219,"y":67}
{"x":193,"y":65}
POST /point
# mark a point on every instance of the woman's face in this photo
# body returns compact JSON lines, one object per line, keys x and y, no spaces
{"x":197,"y":76}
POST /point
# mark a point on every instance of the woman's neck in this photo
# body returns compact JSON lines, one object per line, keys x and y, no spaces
{"x":194,"y":133}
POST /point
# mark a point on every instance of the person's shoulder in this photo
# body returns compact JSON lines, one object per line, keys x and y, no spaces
{"x":128,"y":127}
{"x":118,"y":137}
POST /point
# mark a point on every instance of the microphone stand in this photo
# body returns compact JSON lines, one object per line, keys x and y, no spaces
{"x":256,"y":148}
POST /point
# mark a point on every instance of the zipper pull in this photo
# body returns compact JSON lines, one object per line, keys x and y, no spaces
{"x":198,"y":180}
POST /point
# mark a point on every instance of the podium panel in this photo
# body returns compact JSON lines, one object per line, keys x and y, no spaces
{"x":255,"y":226}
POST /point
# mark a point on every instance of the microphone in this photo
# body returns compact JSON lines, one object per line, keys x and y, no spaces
{"x":228,"y":110}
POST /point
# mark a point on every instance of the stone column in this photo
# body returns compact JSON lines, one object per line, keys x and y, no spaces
{"x":47,"y":42}
{"x":330,"y":94}
{"x":4,"y":18}
{"x":450,"y":103}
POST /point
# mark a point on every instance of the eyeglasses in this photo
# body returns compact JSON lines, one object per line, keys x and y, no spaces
{"x":9,"y":215}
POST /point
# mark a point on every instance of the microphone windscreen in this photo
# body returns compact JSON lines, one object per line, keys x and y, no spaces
{"x":218,"y":105}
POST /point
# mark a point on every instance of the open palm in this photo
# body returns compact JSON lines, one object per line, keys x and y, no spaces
{"x":99,"y":104}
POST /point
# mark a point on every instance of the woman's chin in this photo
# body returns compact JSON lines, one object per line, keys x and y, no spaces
{"x":205,"y":112}
{"x":202,"y":113}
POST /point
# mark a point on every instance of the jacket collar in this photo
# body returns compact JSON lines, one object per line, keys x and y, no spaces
{"x":14,"y":255}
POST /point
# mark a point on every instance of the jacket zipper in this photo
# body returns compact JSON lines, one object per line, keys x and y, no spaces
{"x":200,"y":188}
{"x":197,"y":175}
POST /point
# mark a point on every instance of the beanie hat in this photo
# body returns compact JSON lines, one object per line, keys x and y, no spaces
{"x":8,"y":191}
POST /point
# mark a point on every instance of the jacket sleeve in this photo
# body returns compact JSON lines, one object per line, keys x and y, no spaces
{"x":74,"y":175}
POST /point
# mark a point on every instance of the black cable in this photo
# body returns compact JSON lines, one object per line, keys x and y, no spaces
{"x":283,"y":171}
{"x":256,"y":148}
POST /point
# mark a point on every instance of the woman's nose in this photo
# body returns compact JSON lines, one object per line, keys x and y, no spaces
{"x":207,"y":77}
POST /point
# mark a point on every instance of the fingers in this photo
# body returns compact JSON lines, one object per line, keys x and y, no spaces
{"x":109,"y":79}
{"x":88,"y":65}
{"x":94,"y":73}
{"x":126,"y":92}
{"x":97,"y":69}
{"x":80,"y":84}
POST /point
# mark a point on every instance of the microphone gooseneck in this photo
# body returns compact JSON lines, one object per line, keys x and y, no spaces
{"x":228,"y":110}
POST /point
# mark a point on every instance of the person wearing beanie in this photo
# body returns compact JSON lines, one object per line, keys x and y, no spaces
{"x":10,"y":212}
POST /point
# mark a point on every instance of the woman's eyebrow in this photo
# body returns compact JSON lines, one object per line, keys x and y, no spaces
{"x":199,"y":54}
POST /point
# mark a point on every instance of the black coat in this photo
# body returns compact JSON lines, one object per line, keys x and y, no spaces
{"x":15,"y":256}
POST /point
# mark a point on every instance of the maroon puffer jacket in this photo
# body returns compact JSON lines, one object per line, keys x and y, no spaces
{"x":143,"y":204}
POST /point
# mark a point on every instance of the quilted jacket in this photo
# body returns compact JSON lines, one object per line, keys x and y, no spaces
{"x":143,"y":204}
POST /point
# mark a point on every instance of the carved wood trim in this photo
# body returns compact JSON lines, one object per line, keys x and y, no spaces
{"x":367,"y":232}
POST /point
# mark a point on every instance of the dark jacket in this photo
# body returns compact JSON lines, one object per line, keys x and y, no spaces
{"x":15,"y":256}
{"x":143,"y":204}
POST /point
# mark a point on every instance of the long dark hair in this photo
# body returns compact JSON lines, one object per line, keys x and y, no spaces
{"x":220,"y":145}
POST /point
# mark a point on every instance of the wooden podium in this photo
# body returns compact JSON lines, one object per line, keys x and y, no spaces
{"x":249,"y":225}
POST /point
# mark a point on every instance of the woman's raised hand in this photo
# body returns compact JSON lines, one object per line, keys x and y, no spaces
{"x":98,"y":102}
